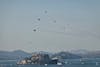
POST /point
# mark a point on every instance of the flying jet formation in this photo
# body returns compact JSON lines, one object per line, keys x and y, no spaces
{"x":37,"y":23}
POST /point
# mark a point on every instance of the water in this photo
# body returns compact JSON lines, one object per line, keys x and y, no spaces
{"x":69,"y":63}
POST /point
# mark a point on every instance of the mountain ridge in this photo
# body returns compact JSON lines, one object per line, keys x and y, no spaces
{"x":20,"y":54}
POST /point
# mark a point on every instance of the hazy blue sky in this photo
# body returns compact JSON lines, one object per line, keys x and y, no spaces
{"x":77,"y":25}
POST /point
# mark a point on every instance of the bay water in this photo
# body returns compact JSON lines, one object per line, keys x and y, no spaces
{"x":93,"y":62}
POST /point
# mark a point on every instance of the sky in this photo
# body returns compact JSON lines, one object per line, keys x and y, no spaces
{"x":63,"y":25}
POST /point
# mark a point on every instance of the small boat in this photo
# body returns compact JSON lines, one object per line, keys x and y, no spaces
{"x":59,"y":63}
{"x":46,"y":64}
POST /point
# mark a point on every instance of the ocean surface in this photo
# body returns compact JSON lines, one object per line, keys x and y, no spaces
{"x":68,"y":63}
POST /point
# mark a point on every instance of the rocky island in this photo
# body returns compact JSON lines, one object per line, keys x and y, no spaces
{"x":39,"y":59}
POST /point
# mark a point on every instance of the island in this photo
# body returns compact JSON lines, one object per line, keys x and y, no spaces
{"x":39,"y":59}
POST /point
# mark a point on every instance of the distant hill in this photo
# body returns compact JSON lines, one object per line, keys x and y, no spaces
{"x":80,"y":51}
{"x":86,"y":53}
{"x":92,"y":54}
{"x":18,"y":54}
{"x":43,"y":52}
{"x":66,"y":55}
